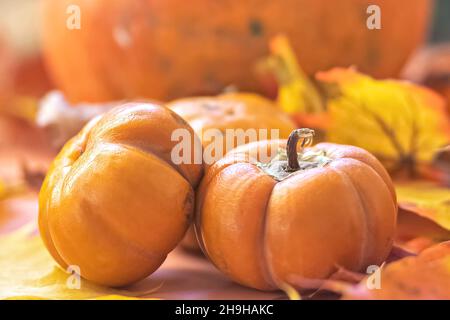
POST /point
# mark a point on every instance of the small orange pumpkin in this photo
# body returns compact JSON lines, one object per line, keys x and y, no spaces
{"x":230,"y":111}
{"x":295,"y":215}
{"x":113,"y":202}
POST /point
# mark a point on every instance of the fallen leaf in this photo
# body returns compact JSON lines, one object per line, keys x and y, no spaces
{"x":296,"y":92}
{"x":33,"y":178}
{"x":416,"y":233}
{"x":398,"y":253}
{"x":28,"y":272}
{"x":427,"y":200}
{"x":290,"y":291}
{"x":423,"y":216}
{"x":61,"y":120}
{"x":321,"y":288}
{"x":8,"y":190}
{"x":418,"y":244}
{"x":22,"y":107}
{"x":401,"y":123}
{"x":426,"y":276}
{"x":16,"y":212}
{"x":441,"y":166}
{"x":22,"y":143}
{"x":430,"y":66}
{"x":119,"y":297}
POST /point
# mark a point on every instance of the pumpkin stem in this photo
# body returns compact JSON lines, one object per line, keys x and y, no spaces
{"x":291,"y":149}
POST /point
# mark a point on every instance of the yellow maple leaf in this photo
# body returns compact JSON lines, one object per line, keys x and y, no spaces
{"x":28,"y":272}
{"x":400,"y":123}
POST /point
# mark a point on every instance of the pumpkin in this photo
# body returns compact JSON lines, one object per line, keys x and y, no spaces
{"x":237,"y":111}
{"x":166,"y":49}
{"x":270,"y":214}
{"x":113,"y":203}
{"x":229,"y":111}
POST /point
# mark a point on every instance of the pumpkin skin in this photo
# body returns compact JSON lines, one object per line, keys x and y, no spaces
{"x":229,"y":111}
{"x":263,"y":233}
{"x":112,"y":202}
{"x":232,"y":111}
{"x":165,"y":49}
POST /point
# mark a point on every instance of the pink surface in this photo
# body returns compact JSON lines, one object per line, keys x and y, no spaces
{"x":186,"y":276}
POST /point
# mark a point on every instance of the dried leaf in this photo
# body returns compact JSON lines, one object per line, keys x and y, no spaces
{"x":28,"y":272}
{"x":423,"y":215}
{"x":441,"y":162}
{"x":16,"y":212}
{"x":401,"y":123}
{"x":296,"y":92}
{"x":61,"y":120}
{"x":426,"y":276}
{"x":33,"y":178}
{"x":427,"y":200}
{"x":430,"y":66}
{"x":22,"y":107}
{"x":398,"y":253}
{"x":8,"y":190}
{"x":290,"y":291}
{"x":417,"y":245}
{"x":316,"y":288}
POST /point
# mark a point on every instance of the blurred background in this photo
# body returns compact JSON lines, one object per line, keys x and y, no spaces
{"x":440,"y":31}
{"x":22,"y":68}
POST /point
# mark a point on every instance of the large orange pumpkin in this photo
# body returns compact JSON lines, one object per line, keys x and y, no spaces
{"x":241,"y":111}
{"x":164,"y":49}
{"x":296,"y":217}
{"x":113,"y":203}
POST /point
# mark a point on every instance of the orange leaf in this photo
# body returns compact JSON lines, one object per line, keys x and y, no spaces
{"x":427,"y":200}
{"x":416,"y":233}
{"x":426,"y":276}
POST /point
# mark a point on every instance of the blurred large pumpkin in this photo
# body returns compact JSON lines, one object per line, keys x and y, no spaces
{"x":113,"y":202}
{"x":297,"y":217}
{"x":170,"y":48}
